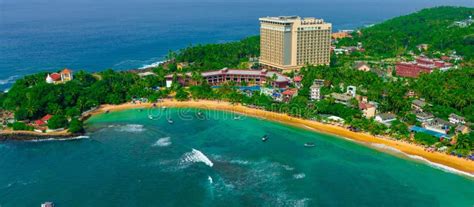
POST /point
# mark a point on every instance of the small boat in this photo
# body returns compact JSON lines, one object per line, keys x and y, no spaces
{"x":47,"y":204}
{"x":200,"y":114}
{"x":236,"y":117}
{"x":170,"y":121}
{"x":264,"y":138}
{"x":150,"y":117}
{"x":309,"y":144}
{"x":163,"y":107}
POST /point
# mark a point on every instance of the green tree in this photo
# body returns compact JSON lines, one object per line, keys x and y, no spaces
{"x":182,"y":95}
{"x":57,"y":121}
{"x":76,"y":126}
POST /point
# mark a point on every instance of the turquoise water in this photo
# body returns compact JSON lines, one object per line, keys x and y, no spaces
{"x":130,"y":160}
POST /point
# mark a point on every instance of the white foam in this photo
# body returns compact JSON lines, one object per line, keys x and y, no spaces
{"x":196,"y":156}
{"x":152,"y":65}
{"x":301,"y":202}
{"x":440,"y":166}
{"x":210,"y":179}
{"x":61,"y":139}
{"x":9,"y":80}
{"x":287,"y":167}
{"x":432,"y":164}
{"x":299,"y":176}
{"x":385,"y":147}
{"x":132,"y":128}
{"x":240,"y":162}
{"x":163,"y":142}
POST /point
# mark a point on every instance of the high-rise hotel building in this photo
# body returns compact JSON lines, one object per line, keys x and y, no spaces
{"x":290,"y":42}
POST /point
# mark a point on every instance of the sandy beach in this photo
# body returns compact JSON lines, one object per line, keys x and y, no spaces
{"x":363,"y":138}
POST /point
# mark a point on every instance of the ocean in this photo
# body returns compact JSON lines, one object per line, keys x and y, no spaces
{"x":127,"y":159}
{"x":45,"y":35}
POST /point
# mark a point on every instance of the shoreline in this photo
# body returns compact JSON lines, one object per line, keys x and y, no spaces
{"x":8,"y":135}
{"x":387,"y":145}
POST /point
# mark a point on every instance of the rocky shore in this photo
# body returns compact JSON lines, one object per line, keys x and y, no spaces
{"x":30,"y":135}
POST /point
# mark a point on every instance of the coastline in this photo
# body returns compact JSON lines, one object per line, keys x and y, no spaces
{"x":6,"y":135}
{"x":412,"y":151}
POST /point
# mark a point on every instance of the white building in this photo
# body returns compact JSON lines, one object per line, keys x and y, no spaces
{"x":385,"y":118}
{"x":315,"y":90}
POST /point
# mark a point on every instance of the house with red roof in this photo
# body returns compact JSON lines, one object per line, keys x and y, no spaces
{"x":64,"y":76}
{"x":367,"y":109}
{"x":289,"y":94}
{"x":297,"y":80}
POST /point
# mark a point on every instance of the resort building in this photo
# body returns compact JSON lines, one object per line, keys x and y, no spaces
{"x":341,"y":35}
{"x":362,"y":66}
{"x":297,"y":81}
{"x":61,"y":77}
{"x":420,"y":65}
{"x":424,"y":117}
{"x":342,"y":98}
{"x":290,"y":42}
{"x":368,"y":110}
{"x":385,"y":118}
{"x":315,"y":89}
{"x":289,"y":94}
{"x":418,"y":105}
{"x":456,"y":119}
{"x":438,"y":125}
{"x":249,"y":77}
{"x":463,"y":129}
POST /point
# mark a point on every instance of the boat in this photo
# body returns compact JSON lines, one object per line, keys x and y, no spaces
{"x":236,"y":117}
{"x":309,"y":144}
{"x":200,"y":114}
{"x":170,"y":121}
{"x":47,"y":204}
{"x":150,"y":117}
{"x":264,"y":138}
{"x":163,"y":107}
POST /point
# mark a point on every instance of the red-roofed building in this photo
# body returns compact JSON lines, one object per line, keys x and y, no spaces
{"x":46,"y":118}
{"x":64,"y":76}
{"x":40,"y":123}
{"x":367,"y":109}
{"x":297,"y":80}
{"x":420,"y":65}
{"x":290,"y":93}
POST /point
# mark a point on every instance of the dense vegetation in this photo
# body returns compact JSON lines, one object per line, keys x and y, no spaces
{"x":218,"y":56}
{"x":449,"y":92}
{"x":31,"y":97}
{"x":429,"y":26}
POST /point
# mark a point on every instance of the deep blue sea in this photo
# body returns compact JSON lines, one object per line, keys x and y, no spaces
{"x":47,"y":35}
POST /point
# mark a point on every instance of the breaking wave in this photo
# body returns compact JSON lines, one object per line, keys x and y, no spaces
{"x":152,"y":65}
{"x":440,"y":166}
{"x":132,"y":128}
{"x":196,"y":156}
{"x":299,"y":176}
{"x":61,"y":139}
{"x":432,"y":164}
{"x":8,"y":80}
{"x":163,"y":142}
